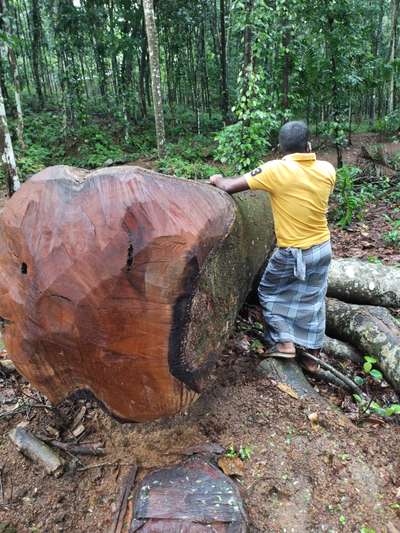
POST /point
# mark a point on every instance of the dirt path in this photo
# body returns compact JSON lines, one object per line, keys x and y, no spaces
{"x":335,"y":476}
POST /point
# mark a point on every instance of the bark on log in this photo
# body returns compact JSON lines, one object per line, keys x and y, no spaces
{"x":372,"y":330}
{"x":355,"y":281}
{"x":341,"y":350}
{"x":125,"y":283}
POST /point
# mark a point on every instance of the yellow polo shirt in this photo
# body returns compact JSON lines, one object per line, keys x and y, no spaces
{"x":299,"y":186}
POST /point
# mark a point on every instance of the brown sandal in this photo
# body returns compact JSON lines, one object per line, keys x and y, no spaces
{"x":273,"y":352}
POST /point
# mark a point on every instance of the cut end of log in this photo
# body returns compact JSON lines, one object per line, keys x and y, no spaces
{"x":113,"y":282}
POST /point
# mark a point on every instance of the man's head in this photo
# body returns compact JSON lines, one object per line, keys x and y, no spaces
{"x":293,"y":138}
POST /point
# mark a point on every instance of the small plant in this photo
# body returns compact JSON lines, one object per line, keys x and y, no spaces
{"x":256,"y":346}
{"x":350,"y":203}
{"x":244,"y":452}
{"x":392,"y":237}
{"x":369,"y":369}
{"x":374,"y":407}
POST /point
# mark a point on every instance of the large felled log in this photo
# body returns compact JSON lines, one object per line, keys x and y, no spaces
{"x":372,"y":330}
{"x":355,"y":281}
{"x":125,"y":283}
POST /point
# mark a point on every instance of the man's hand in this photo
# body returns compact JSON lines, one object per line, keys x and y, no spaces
{"x":216,"y":179}
{"x":229,"y":185}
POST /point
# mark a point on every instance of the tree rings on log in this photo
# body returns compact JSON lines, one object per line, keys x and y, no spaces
{"x":125,"y":283}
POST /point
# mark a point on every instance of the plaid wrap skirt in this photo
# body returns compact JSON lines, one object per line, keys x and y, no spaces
{"x":292,"y":295}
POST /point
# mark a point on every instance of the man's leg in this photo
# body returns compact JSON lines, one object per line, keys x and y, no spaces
{"x":274,"y":296}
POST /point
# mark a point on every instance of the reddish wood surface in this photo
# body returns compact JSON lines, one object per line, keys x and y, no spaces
{"x":193,"y":497}
{"x":105,"y":256}
{"x":98,"y":277}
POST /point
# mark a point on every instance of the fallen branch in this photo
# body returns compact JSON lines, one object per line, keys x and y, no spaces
{"x":37,"y":450}
{"x":122,"y":502}
{"x":346,"y":380}
{"x":101,"y":465}
{"x":79,"y":449}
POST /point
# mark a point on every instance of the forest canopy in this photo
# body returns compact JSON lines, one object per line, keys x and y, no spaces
{"x":76,"y":77}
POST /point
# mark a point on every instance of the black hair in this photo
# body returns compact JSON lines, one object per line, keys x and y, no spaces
{"x":293,"y":137}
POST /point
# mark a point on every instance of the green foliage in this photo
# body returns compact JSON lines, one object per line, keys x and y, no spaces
{"x":368,"y":368}
{"x":392,"y":237}
{"x":389,"y":124}
{"x":34,"y":159}
{"x":374,"y":407}
{"x":244,"y":452}
{"x":181,"y":168}
{"x":185,"y":159}
{"x":349,"y":202}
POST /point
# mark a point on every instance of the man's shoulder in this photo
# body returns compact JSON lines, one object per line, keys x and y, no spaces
{"x":326,"y":164}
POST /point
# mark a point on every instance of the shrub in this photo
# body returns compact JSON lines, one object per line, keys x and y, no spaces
{"x":349,"y":202}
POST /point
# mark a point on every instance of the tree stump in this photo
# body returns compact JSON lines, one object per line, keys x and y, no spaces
{"x":125,"y":283}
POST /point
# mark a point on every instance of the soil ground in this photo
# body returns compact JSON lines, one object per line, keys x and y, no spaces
{"x":335,"y":471}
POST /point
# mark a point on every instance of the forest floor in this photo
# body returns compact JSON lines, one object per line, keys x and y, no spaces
{"x":336,"y":471}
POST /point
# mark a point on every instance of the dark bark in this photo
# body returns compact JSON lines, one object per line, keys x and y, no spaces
{"x":372,"y":330}
{"x":224,"y":69}
{"x":36,"y":44}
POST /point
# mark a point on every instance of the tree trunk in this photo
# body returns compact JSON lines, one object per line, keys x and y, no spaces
{"x":358,"y":282}
{"x":36,"y":41}
{"x":341,"y":350}
{"x":224,"y":82}
{"x":6,"y":151}
{"x":152,"y":40}
{"x":372,"y":330}
{"x":395,"y":6}
{"x":135,"y":288}
{"x":17,"y":89}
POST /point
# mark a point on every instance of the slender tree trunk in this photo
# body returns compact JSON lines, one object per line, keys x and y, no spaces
{"x":6,"y":27}
{"x":6,"y":151}
{"x":17,"y":90}
{"x":286,"y":68}
{"x":395,"y":6}
{"x":37,"y":37}
{"x":154,"y":56}
{"x":224,"y":81}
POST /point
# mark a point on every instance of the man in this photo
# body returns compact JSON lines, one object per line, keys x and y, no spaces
{"x":293,"y":288}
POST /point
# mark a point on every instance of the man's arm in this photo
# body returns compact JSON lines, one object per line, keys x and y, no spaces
{"x":229,"y":185}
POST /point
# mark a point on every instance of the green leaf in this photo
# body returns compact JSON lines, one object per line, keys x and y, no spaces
{"x":367,"y":367}
{"x":370,"y":359}
{"x":359,"y":380}
{"x":376,"y":374}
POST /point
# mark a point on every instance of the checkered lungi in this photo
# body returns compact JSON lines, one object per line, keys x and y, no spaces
{"x":292,"y":294}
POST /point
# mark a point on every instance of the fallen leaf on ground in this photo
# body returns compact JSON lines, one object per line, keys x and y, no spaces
{"x":314,"y":419}
{"x":231,"y":466}
{"x":287,"y":389}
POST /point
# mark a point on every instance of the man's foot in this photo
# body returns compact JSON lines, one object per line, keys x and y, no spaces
{"x":284,"y":350}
